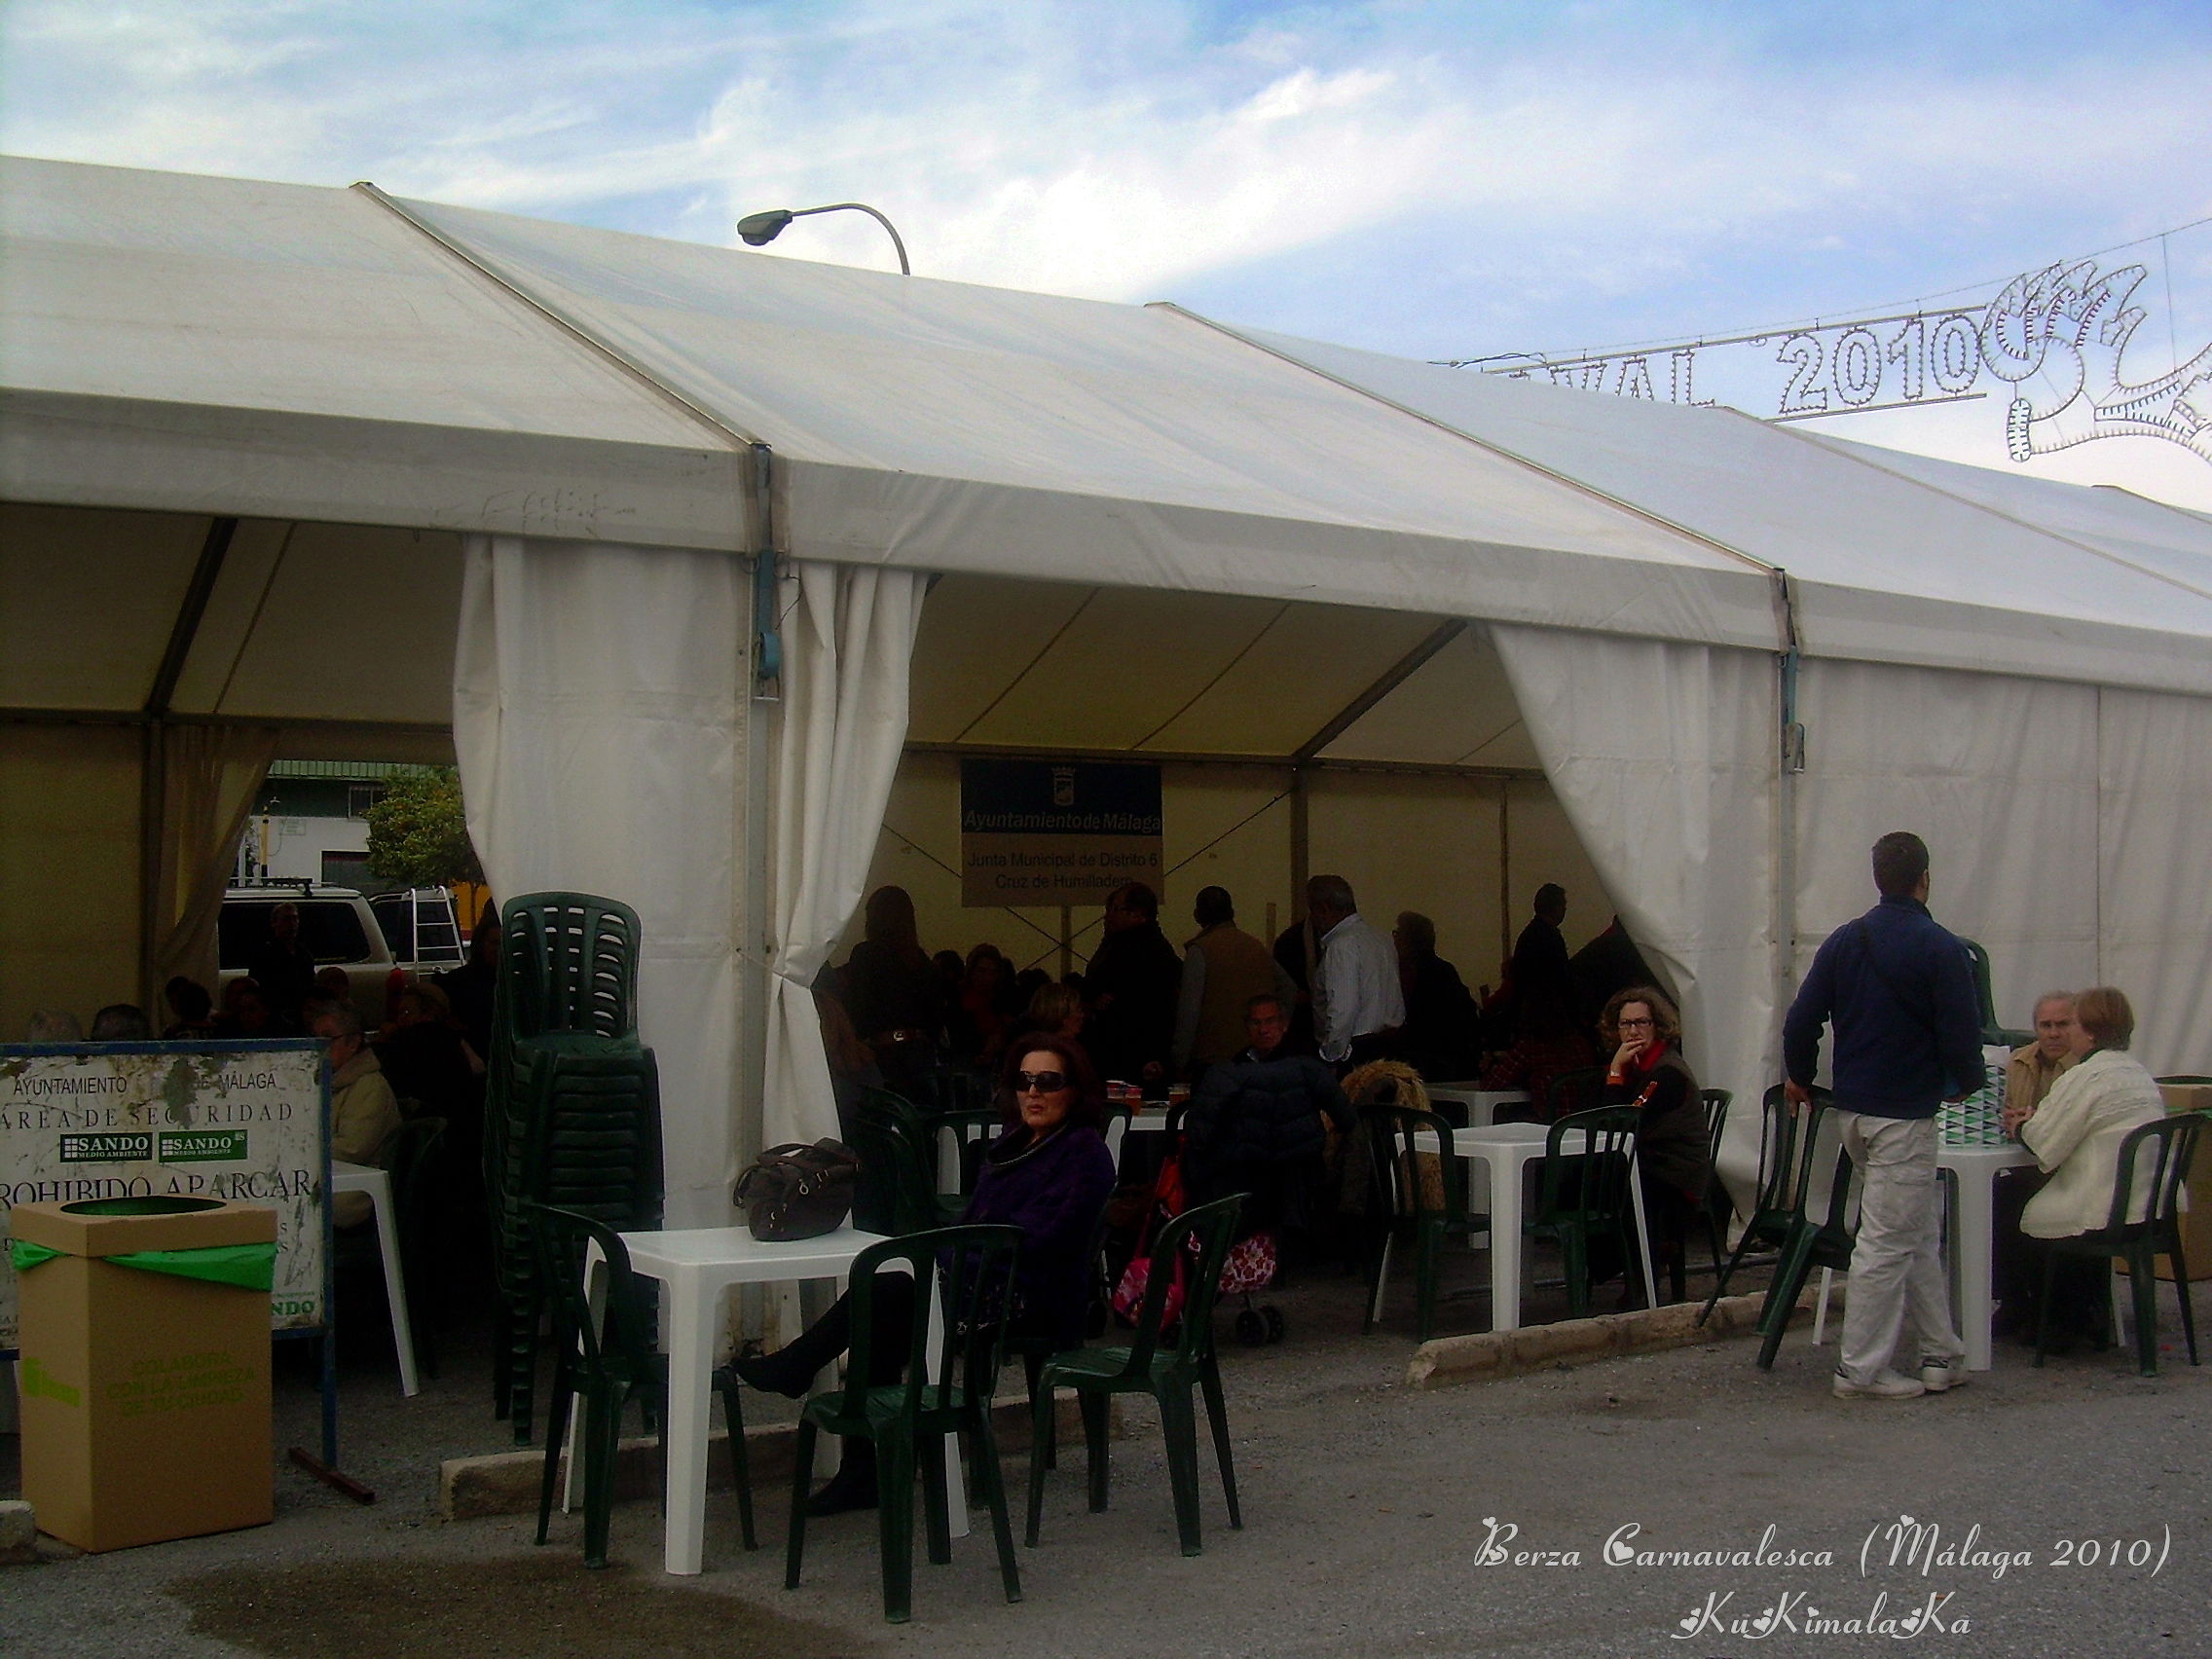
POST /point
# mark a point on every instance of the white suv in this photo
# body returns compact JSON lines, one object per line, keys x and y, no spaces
{"x":337,"y":928}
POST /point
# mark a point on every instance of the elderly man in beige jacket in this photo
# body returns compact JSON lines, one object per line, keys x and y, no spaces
{"x":364,"y":1114}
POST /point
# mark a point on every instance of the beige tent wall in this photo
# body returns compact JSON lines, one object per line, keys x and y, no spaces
{"x":1406,"y":842}
{"x":69,"y":870}
{"x":339,"y":636}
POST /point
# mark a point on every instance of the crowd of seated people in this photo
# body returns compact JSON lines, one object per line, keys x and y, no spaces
{"x":425,"y":1059}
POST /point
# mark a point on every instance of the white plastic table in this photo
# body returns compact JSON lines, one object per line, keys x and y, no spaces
{"x":696,"y":1267}
{"x":1482,"y":1104}
{"x":1972,"y":1216}
{"x":377,"y":1183}
{"x":1506,"y":1151}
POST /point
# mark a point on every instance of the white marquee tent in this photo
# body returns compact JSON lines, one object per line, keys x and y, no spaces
{"x":312,"y":471}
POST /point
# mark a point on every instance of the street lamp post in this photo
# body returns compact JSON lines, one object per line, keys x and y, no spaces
{"x":760,"y":229}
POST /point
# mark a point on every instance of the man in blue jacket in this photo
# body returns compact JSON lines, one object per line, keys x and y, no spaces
{"x":1908,"y":1036}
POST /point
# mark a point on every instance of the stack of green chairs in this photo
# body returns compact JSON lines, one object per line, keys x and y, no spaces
{"x":571,"y":1106}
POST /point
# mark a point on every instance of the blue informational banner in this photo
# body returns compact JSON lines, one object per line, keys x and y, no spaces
{"x":1057,"y":832}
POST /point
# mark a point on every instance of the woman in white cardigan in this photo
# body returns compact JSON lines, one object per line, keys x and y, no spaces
{"x":2075,"y":1132}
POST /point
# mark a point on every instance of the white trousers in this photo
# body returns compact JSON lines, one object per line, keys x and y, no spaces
{"x":1897,"y":1285}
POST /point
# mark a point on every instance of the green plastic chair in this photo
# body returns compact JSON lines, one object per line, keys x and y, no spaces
{"x":569,"y":963}
{"x":1600,"y":1203}
{"x":609,"y":1361}
{"x":1993,"y":1035}
{"x":1772,"y":1209}
{"x":1823,"y":1241}
{"x":1716,"y":1206}
{"x":898,"y":1175}
{"x":2141,"y":1242}
{"x":908,"y":1420}
{"x":1571,"y":1092}
{"x":1153,"y":1364}
{"x":1402,"y":1205}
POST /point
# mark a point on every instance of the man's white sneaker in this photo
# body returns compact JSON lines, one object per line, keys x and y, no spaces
{"x":1939,"y":1375}
{"x":1886,"y":1385}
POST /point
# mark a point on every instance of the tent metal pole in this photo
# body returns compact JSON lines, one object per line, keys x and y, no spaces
{"x":1300,"y":839}
{"x":154,"y":753}
{"x":760,"y":666}
{"x":1790,"y":761}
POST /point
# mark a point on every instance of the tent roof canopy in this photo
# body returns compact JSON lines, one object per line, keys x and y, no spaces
{"x":215,"y":346}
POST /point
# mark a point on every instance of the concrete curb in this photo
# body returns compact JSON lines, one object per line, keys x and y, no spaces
{"x":18,"y":1533}
{"x":1489,"y":1355}
{"x":505,"y":1483}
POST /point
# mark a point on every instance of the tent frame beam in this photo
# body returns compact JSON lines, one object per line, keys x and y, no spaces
{"x":1205,"y":757}
{"x":1392,"y":677}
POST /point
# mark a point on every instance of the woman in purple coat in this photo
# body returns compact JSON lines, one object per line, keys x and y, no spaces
{"x":1049,"y":1176}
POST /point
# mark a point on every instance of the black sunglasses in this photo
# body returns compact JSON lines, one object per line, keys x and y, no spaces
{"x":1039,"y":1083}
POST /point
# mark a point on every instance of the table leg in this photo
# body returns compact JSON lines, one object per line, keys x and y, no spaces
{"x":1504,"y":1239}
{"x":394,"y":1286}
{"x":1642,"y":1229}
{"x":595,"y":1300}
{"x":955,"y":1480}
{"x":1972,"y":1219}
{"x":692,"y":1309}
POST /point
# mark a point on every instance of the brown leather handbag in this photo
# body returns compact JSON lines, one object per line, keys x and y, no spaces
{"x":798,"y":1192}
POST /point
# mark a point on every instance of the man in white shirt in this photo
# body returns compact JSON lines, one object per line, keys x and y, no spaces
{"x":1355,"y":989}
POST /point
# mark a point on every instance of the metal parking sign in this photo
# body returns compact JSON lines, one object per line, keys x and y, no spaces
{"x":240,"y":1120}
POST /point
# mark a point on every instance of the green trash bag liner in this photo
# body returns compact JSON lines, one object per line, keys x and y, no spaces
{"x":249,"y":1267}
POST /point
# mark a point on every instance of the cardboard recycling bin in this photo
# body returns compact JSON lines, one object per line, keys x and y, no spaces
{"x":144,"y":1367}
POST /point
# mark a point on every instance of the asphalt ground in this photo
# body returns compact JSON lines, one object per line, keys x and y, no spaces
{"x":2061,"y":1512}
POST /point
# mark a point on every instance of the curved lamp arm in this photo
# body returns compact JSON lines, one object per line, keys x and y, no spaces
{"x":760,"y":229}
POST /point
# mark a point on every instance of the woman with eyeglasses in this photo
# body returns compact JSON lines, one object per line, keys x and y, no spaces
{"x":1050,"y":1174}
{"x":1647,"y":1072}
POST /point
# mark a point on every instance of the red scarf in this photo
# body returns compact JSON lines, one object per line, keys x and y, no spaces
{"x":1643,"y":1069}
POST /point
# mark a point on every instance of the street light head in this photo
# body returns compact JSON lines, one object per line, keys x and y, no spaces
{"x":758,"y":230}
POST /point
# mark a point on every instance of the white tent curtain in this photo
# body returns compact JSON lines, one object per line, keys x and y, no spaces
{"x":2155,"y":864}
{"x":210,"y":776}
{"x":599,"y":723}
{"x":848,"y":640}
{"x":1997,"y":773}
{"x":1664,"y":756}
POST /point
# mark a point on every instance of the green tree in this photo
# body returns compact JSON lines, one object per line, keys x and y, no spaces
{"x":418,"y":833}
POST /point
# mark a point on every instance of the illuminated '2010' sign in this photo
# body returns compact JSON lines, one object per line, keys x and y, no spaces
{"x":2051,"y":342}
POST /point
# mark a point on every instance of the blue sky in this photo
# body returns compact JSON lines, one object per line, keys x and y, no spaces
{"x":1431,"y":179}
